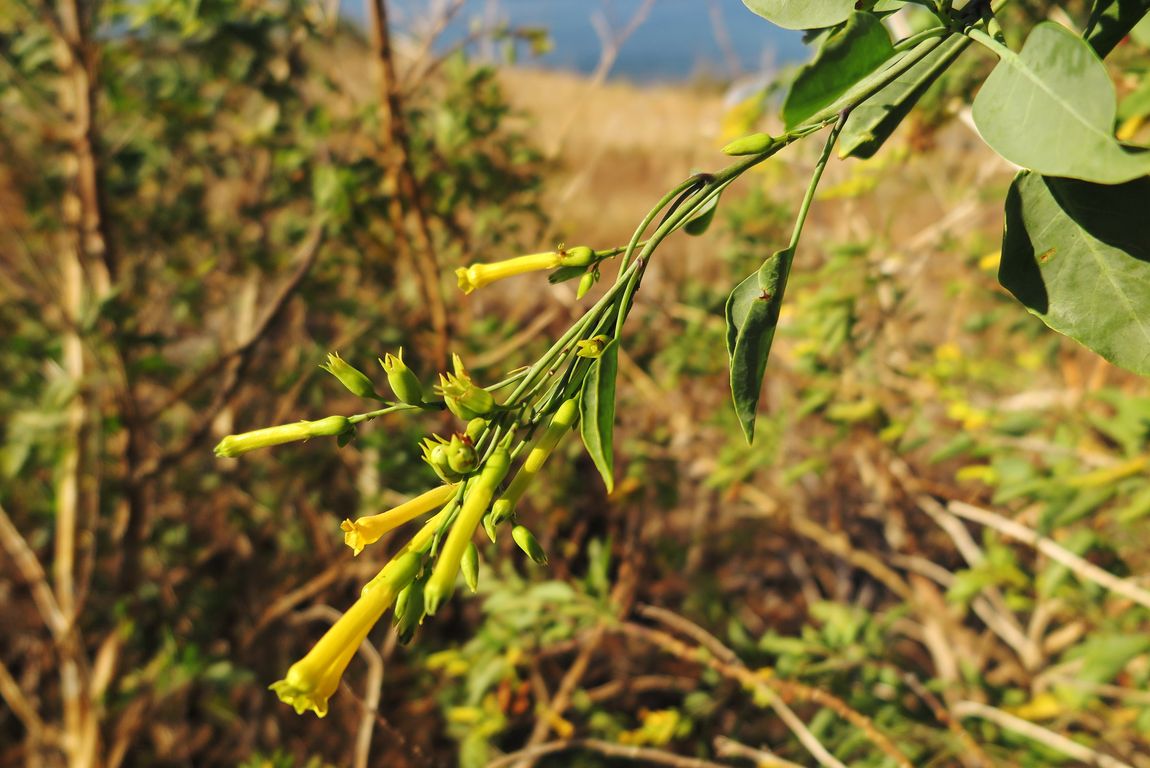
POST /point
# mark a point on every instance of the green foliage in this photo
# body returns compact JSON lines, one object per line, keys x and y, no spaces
{"x":1051,"y":109}
{"x":1071,"y":257}
{"x":597,"y":411}
{"x":847,"y":55}
{"x":807,"y":15}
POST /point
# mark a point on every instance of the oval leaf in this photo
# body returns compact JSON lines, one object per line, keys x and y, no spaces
{"x":808,"y":14}
{"x":845,"y":57}
{"x":597,"y":411}
{"x":1076,"y":254}
{"x":1052,"y":109}
{"x":752,"y":318}
{"x":871,"y":123}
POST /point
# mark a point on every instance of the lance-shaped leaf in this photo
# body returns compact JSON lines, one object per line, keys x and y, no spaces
{"x":1051,"y":109}
{"x":871,"y":123}
{"x":846,"y":56}
{"x":752,"y":316}
{"x":807,"y":14}
{"x":1076,"y":254}
{"x":597,"y":411}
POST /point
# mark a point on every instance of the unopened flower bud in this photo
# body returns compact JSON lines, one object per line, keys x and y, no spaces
{"x":753,"y":144}
{"x":579,"y":256}
{"x":463,"y":397}
{"x":475,"y":429}
{"x":351,"y":377}
{"x":592,"y":347}
{"x":469,"y":564}
{"x":587,"y":282}
{"x":461,"y":455}
{"x":234,"y":445}
{"x":529,"y":544}
{"x":435,"y":453}
{"x":409,"y":611}
{"x":403,"y":381}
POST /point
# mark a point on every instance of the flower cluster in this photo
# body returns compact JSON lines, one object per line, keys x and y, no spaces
{"x":485,"y":468}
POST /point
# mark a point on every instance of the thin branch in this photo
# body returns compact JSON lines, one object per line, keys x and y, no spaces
{"x":1043,"y":736}
{"x":674,"y":621}
{"x":1006,"y":625}
{"x":554,"y":709}
{"x":391,"y":106}
{"x":727,"y":747}
{"x":33,"y":572}
{"x":645,"y":755}
{"x":20,"y":706}
{"x":1083,"y":569}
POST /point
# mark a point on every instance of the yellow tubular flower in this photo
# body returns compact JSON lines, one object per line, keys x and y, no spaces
{"x":479,"y":275}
{"x":475,"y":504}
{"x":312,"y":680}
{"x":369,"y":529}
{"x":234,"y":445}
{"x":565,"y":418}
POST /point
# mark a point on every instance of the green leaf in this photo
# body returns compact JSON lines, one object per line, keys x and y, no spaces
{"x":1106,"y":656}
{"x":597,"y":411}
{"x":1076,"y":255}
{"x":1052,"y":109}
{"x":846,"y":56}
{"x":808,"y":14}
{"x":871,"y":123}
{"x":752,"y":315}
{"x":698,"y":223}
{"x":1112,"y":20}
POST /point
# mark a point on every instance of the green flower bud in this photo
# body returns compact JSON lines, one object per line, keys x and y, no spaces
{"x":489,"y":525}
{"x":529,"y":544}
{"x":234,"y":445}
{"x":463,"y":397}
{"x":501,"y":512}
{"x":753,"y":144}
{"x":469,"y":564}
{"x":351,"y":377}
{"x":592,"y":347}
{"x":409,"y":611}
{"x":435,"y":453}
{"x":403,"y":381}
{"x":461,"y":455}
{"x":475,"y":429}
{"x":579,"y":256}
{"x":590,"y":277}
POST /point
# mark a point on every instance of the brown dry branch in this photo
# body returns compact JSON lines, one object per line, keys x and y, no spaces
{"x":1081,"y":568}
{"x":1037,"y":733}
{"x":404,"y":181}
{"x":728,"y":747}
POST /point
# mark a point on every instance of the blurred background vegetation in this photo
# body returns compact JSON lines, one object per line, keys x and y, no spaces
{"x":199,"y":200}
